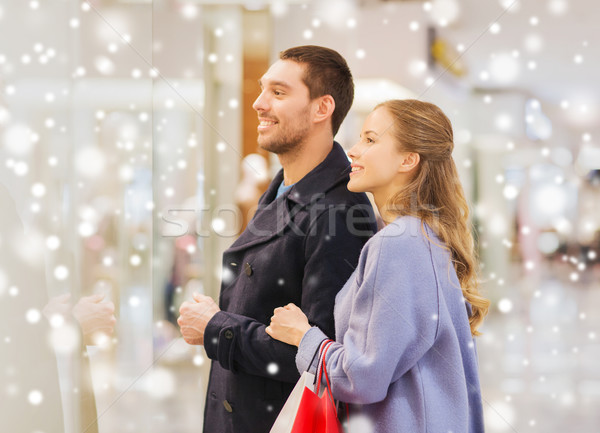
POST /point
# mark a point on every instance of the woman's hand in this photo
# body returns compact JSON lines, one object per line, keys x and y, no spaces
{"x":288,"y":324}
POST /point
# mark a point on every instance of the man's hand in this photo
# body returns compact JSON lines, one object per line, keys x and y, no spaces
{"x":194,"y":316}
{"x":58,"y":306}
{"x":96,"y":318}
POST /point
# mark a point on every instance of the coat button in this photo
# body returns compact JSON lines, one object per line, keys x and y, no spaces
{"x":228,"y":407}
{"x":229,"y":334}
{"x":248,"y":269}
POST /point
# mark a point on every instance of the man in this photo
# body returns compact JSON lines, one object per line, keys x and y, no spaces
{"x":301,"y":245}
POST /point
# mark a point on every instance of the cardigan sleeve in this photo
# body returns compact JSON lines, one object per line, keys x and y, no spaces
{"x":392,"y":319}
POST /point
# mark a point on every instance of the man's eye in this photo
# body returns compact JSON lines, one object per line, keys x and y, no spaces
{"x":277,"y":93}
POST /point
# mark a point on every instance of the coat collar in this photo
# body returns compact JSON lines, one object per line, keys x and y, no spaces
{"x":274,"y":215}
{"x":335,"y":168}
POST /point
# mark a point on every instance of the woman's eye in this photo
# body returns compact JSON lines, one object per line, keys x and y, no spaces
{"x":370,"y":140}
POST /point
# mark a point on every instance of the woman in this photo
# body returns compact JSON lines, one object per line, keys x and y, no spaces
{"x":406,"y":318}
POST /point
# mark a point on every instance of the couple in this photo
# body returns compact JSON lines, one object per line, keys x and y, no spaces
{"x":408,"y":307}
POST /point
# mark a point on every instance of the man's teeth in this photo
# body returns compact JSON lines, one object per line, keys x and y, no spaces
{"x":267,"y":123}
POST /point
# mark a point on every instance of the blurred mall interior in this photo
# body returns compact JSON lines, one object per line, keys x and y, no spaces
{"x":128,"y":149}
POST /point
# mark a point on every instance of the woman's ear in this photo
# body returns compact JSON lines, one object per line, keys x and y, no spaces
{"x":324,"y":108}
{"x":410,"y":160}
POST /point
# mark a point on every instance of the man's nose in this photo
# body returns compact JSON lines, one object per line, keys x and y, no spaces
{"x":260,"y":104}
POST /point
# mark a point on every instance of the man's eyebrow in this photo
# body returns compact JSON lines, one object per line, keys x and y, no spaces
{"x":274,"y":83}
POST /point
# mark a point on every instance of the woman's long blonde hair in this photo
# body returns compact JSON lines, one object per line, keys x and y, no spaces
{"x":435,"y":194}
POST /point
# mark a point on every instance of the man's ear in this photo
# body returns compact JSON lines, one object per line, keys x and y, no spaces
{"x":410,"y":160}
{"x":325,"y":105}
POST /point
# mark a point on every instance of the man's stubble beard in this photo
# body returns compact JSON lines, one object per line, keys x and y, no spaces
{"x":286,"y":143}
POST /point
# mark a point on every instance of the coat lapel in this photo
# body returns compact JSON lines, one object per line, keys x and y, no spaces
{"x":273,"y":214}
{"x":270,"y":220}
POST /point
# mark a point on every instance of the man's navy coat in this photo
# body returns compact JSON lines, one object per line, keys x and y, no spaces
{"x":300,"y":247}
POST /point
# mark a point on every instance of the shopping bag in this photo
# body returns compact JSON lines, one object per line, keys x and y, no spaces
{"x":325,"y":416}
{"x":309,"y":409}
{"x":302,"y":395}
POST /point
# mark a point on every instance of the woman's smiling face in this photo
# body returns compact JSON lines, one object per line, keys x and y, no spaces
{"x":376,"y":158}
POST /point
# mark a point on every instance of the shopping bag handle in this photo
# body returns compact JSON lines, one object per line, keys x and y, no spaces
{"x":322,"y":353}
{"x":322,"y":370}
{"x":318,"y":351}
{"x":324,"y":344}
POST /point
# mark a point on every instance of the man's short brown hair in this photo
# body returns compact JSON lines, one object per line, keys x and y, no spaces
{"x":326,"y":73}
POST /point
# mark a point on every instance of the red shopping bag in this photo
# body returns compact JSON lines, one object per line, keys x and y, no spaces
{"x":305,"y":411}
{"x":318,"y":414}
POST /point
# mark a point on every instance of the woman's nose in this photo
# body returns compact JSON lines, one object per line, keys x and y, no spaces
{"x":354,"y":153}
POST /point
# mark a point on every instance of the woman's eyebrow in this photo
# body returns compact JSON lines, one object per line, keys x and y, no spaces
{"x":371,"y":132}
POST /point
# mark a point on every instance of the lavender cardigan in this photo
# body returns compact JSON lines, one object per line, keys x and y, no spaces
{"x":404,"y":350}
